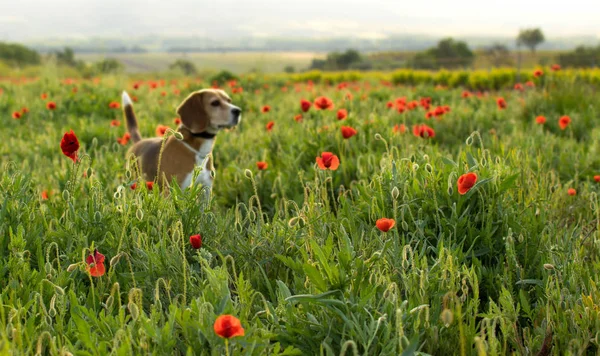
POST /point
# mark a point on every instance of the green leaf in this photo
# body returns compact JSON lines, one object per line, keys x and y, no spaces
{"x":471,"y":160}
{"x":508,"y":182}
{"x":537,"y":282}
{"x":449,"y":162}
{"x":314,"y":276}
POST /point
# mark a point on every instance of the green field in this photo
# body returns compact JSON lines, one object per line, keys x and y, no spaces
{"x":294,"y":251}
{"x":237,"y":62}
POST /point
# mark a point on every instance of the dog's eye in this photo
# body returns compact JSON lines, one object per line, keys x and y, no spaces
{"x":215,"y":103}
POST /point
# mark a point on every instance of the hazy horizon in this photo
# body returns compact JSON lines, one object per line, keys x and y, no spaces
{"x":35,"y":19}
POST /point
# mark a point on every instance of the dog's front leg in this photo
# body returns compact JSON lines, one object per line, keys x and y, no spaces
{"x":205,"y":178}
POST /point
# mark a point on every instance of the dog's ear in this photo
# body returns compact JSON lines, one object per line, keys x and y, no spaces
{"x":193,"y":113}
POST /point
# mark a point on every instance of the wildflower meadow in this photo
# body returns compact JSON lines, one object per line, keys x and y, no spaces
{"x":413,"y":212}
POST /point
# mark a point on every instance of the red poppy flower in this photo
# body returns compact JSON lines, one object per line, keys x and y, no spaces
{"x":228,"y":326}
{"x":439,"y":111}
{"x":348,"y":132}
{"x":265,"y":109}
{"x":423,"y":131}
{"x":538,"y":73}
{"x":177,"y":121}
{"x":540,"y":120}
{"x":44,"y":96}
{"x":51,"y":105}
{"x":305,"y":105}
{"x":115,"y":123}
{"x":348,"y":96}
{"x":163,"y":93}
{"x":114,"y":105}
{"x":16,"y":115}
{"x":412,"y":105}
{"x":501,"y":103}
{"x":465,"y":94}
{"x":261,"y":165}
{"x":134,"y":98}
{"x":519,"y":87}
{"x":466,"y":182}
{"x":96,"y":264}
{"x":571,"y":192}
{"x":149,"y":185}
{"x":385,"y":224}
{"x":70,"y":145}
{"x":133,"y":186}
{"x":400,"y":101}
{"x":555,"y":67}
{"x":298,"y":118}
{"x":161,"y":129}
{"x":24,"y":110}
{"x":136,"y":86}
{"x":530,"y":84}
{"x":597,"y":178}
{"x":563,"y":122}
{"x":342,"y":114}
{"x":328,"y":161}
{"x":45,"y":195}
{"x":196,"y":241}
{"x":123,"y":140}
{"x":270,"y":125}
{"x":324,"y":103}
{"x":399,"y":128}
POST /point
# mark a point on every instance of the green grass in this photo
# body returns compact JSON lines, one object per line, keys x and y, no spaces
{"x":293,"y":251}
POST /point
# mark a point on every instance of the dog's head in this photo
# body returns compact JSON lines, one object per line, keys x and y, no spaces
{"x":208,"y":110}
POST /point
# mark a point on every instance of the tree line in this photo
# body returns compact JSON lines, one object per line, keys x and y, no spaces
{"x":453,"y":54}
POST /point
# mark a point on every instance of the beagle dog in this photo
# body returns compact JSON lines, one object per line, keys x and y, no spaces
{"x":203,"y":114}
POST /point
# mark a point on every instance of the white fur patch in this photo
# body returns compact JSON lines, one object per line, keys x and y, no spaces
{"x":126,"y":99}
{"x":203,"y":177}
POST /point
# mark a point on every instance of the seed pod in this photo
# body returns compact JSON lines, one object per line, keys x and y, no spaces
{"x":133,"y":310}
{"x":139,"y":214}
{"x":109,"y":302}
{"x":395,"y":193}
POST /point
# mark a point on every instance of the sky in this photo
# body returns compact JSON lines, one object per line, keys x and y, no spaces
{"x":71,"y":19}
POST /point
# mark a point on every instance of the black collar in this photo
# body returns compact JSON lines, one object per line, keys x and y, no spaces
{"x":204,"y":134}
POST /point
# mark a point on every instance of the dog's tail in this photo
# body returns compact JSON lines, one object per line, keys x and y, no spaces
{"x":130,"y":119}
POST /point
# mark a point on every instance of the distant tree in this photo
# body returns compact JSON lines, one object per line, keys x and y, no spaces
{"x":530,"y":38}
{"x":187,"y":67}
{"x":289,"y":69}
{"x":447,"y":54}
{"x":108,"y":66}
{"x":66,"y":57}
{"x":18,"y":55}
{"x":338,"y":61}
{"x":347,"y":59}
{"x":499,"y":55}
{"x":581,"y":57}
{"x":318,"y":64}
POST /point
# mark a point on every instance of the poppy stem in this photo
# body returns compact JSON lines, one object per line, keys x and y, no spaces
{"x":227,"y":347}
